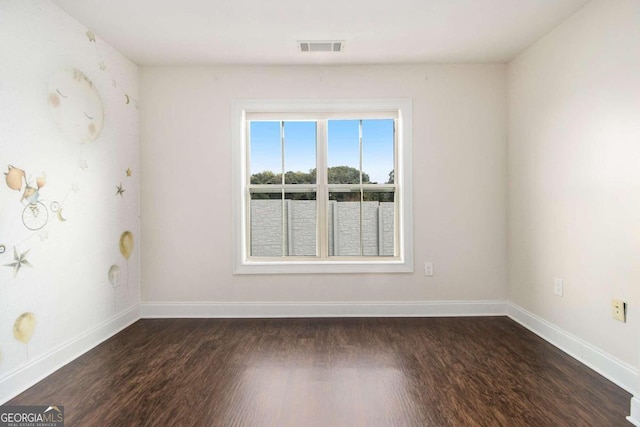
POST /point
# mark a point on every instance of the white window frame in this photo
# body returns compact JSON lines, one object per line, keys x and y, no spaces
{"x":402,"y":263}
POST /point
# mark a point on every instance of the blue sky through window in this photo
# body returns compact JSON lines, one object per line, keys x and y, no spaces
{"x":343,"y":146}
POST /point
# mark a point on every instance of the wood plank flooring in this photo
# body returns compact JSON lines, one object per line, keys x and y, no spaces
{"x":486,"y":371}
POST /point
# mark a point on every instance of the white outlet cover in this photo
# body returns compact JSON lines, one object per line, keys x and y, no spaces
{"x":428,"y":269}
{"x":558,"y":285}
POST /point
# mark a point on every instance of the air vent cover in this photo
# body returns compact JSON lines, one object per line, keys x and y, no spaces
{"x":321,"y":46}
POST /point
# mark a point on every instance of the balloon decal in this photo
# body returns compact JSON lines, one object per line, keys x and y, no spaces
{"x":126,"y":244}
{"x":114,"y":279}
{"x":114,"y":276}
{"x":14,"y":178}
{"x":126,"y":247}
{"x":23,"y":328}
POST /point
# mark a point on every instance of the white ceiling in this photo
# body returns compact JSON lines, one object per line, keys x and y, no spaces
{"x":190,"y":32}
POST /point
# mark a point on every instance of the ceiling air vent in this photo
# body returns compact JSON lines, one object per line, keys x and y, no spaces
{"x":321,"y":46}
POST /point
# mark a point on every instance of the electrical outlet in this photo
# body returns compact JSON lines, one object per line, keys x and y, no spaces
{"x":428,"y":269}
{"x":619,"y":308}
{"x":558,"y":284}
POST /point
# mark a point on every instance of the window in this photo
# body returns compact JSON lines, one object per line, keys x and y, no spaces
{"x":322,"y":186}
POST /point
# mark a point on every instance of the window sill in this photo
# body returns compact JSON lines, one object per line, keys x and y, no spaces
{"x":392,"y":265}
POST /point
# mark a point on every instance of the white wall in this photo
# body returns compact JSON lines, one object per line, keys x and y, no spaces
{"x":67,"y":287}
{"x":459,"y":181}
{"x":574,"y":175}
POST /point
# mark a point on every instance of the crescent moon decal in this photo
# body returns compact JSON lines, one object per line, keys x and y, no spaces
{"x":60,"y":218}
{"x":127,"y":97}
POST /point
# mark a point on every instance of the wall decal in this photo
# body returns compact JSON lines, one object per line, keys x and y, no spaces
{"x":43,"y":234}
{"x":35,"y":214}
{"x":128,"y":172}
{"x":60,"y":217}
{"x":126,"y":247}
{"x":126,"y":244}
{"x":14,"y":178}
{"x":119,"y":190}
{"x":103,"y":67}
{"x":114,"y":275}
{"x":114,"y":279}
{"x":23,"y":328}
{"x":19,"y":260}
{"x":76,"y":106}
{"x":70,"y":122}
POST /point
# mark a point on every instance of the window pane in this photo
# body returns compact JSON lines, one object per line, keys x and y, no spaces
{"x":283,"y":227}
{"x":344,"y":223}
{"x":266,"y":153}
{"x":300,"y":223}
{"x":378,"y":150}
{"x":343,"y":158}
{"x":300,"y":152}
{"x":267,"y":232}
{"x":378,"y":223}
{"x":362,"y":229}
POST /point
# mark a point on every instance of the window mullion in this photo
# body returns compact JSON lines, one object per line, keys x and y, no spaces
{"x":322,"y":194}
{"x":396,"y":193}
{"x":282,"y":192}
{"x":247,"y":192}
{"x":361,"y":190}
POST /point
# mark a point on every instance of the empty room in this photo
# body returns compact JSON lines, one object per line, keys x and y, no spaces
{"x":340,"y":213}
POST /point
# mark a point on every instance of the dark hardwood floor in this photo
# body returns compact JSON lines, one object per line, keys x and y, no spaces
{"x":486,"y":371}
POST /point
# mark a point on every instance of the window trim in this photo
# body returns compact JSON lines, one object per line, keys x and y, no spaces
{"x":361,"y":108}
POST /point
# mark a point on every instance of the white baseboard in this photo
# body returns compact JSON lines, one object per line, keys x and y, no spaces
{"x":320,"y":309}
{"x":17,"y":381}
{"x":634,"y":418}
{"x":615,"y":370}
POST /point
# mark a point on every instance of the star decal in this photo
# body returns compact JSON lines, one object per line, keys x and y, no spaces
{"x":43,"y":234}
{"x":19,"y":261}
{"x":91,"y":36}
{"x":128,"y":172}
{"x":82,"y":164}
{"x":119,"y":190}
